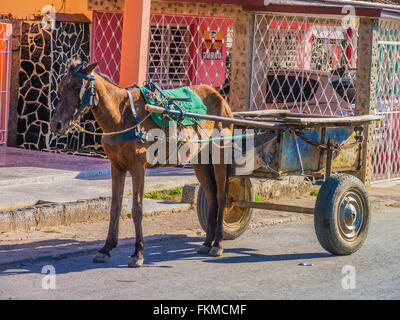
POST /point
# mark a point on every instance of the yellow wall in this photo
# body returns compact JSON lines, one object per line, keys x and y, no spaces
{"x":26,"y":8}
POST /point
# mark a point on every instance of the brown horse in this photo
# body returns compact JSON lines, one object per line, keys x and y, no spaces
{"x":113,"y":113}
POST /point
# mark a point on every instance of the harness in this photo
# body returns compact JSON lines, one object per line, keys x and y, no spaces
{"x":89,"y":100}
{"x":170,"y":100}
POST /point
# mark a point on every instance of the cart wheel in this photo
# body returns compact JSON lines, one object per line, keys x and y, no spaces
{"x":342,"y":214}
{"x":236,"y":219}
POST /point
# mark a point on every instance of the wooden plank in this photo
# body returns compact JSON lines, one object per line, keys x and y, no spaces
{"x":349,"y":120}
{"x":284,"y":123}
{"x":287,"y":116}
{"x":309,"y":115}
{"x":273,"y":206}
{"x":278,"y":113}
{"x":260,"y":113}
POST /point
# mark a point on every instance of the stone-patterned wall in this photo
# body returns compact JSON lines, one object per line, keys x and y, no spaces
{"x":33,"y":108}
{"x":70,"y":40}
{"x":43,"y":59}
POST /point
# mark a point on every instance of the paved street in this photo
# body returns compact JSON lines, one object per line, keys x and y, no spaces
{"x":262,"y":264}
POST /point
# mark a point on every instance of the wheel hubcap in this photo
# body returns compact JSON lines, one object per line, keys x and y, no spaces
{"x":351,"y":215}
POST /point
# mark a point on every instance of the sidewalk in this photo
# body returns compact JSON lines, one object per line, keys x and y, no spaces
{"x":27,"y":177}
{"x":384,"y":194}
{"x":40,"y":190}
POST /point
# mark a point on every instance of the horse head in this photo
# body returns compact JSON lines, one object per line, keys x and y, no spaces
{"x":77,"y":91}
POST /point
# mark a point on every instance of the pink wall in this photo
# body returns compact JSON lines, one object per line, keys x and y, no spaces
{"x":5,"y":38}
{"x":211,"y":72}
{"x":107,"y":42}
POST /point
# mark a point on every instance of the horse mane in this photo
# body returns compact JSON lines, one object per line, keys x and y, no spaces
{"x":107,"y":78}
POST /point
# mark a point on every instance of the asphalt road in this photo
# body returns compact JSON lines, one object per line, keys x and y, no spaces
{"x":262,"y":264}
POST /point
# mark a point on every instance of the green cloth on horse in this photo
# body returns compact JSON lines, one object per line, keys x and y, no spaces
{"x":196,"y":105}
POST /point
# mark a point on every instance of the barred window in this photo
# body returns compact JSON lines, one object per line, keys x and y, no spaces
{"x":283,"y":43}
{"x":169,"y":55}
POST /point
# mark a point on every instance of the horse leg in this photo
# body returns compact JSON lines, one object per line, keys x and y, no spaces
{"x":138,"y":176}
{"x":220,"y":173}
{"x":205,"y":175}
{"x":118,"y":184}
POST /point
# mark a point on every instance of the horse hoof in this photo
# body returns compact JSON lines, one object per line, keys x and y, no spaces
{"x":100,"y":257}
{"x":215,"y":252}
{"x":203,"y":250}
{"x":135,"y":262}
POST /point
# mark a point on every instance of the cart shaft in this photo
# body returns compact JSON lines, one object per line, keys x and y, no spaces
{"x":273,"y":206}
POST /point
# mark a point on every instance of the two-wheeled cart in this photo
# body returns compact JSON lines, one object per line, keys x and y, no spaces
{"x":298,"y":144}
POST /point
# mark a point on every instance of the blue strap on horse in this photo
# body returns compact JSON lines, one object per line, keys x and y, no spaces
{"x":135,"y":134}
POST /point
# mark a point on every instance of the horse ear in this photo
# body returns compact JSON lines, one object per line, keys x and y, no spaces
{"x":91,"y":67}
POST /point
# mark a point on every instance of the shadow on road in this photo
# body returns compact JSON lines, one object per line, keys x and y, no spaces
{"x":157,"y":255}
{"x":186,"y":250}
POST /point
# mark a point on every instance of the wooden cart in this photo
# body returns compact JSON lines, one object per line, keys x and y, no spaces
{"x":307,"y":145}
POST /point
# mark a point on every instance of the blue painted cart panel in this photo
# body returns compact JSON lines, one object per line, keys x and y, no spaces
{"x":310,"y":154}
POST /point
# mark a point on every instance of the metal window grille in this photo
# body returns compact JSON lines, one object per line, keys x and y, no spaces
{"x":169,"y":55}
{"x":188,"y":50}
{"x":107,"y":42}
{"x":304,"y":64}
{"x":386,"y":142}
{"x":5,"y":33}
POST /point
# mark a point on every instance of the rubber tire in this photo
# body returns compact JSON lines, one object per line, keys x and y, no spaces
{"x":229,"y":233}
{"x":326,"y":211}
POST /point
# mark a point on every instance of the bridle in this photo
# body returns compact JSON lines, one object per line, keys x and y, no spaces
{"x":89,"y":100}
{"x":89,"y":97}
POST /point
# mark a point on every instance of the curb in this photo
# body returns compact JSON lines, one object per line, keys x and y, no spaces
{"x":53,"y":214}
